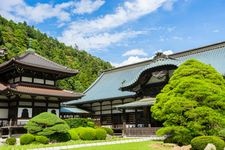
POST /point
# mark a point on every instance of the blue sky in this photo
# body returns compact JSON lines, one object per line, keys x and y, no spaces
{"x":124,"y":32}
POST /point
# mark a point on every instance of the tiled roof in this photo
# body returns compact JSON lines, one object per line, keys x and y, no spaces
{"x":155,"y":63}
{"x":140,"y":103}
{"x":44,"y":91}
{"x":108,"y":84}
{"x":32,"y":59}
{"x":74,"y":110}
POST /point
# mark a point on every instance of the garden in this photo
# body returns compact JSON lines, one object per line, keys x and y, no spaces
{"x":191,"y":107}
{"x":47,"y":128}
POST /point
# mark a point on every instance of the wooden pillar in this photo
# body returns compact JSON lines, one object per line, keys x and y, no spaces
{"x":135,"y":117}
{"x":111,"y":112}
{"x":123,"y":120}
{"x":32,"y":97}
{"x":100,"y":113}
{"x":10,"y":131}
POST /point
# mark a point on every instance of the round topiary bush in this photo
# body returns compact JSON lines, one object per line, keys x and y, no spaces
{"x":100,"y":134}
{"x":11,"y":141}
{"x":200,"y":142}
{"x":86,"y":133}
{"x":73,"y":134}
{"x":42,"y":139}
{"x":108,"y":130}
{"x":26,"y":139}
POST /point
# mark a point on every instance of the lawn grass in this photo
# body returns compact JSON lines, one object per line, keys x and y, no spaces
{"x":30,"y":146}
{"x":147,"y":145}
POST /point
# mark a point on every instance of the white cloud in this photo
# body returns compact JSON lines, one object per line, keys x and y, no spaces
{"x":216,"y":31}
{"x":177,"y":38}
{"x":130,"y":60}
{"x":80,"y":32}
{"x":18,"y":10}
{"x":135,"y":52}
{"x":87,"y":6}
{"x":169,"y":5}
{"x":136,"y":59}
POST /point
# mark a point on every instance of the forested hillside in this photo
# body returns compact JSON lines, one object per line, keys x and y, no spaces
{"x":16,"y":38}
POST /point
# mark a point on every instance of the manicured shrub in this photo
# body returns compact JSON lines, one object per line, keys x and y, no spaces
{"x":200,"y":142}
{"x":79,"y":122}
{"x":90,"y":124}
{"x":100,"y":134}
{"x":222,"y":134}
{"x":11,"y":141}
{"x":108,"y":130}
{"x":86,"y":133}
{"x":42,"y":139}
{"x":26,"y":139}
{"x":60,"y":137}
{"x":73,"y":134}
{"x":46,"y":124}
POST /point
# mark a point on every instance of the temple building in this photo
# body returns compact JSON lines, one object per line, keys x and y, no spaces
{"x":126,"y":94}
{"x":28,"y":87}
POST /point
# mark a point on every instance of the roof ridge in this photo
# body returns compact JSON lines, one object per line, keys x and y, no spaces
{"x":200,"y":49}
{"x":185,"y":52}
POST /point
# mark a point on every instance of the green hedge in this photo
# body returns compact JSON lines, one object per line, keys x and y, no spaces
{"x":108,"y":130}
{"x":74,"y":135}
{"x":26,"y":139}
{"x":222,"y":134}
{"x":42,"y":139}
{"x":11,"y":141}
{"x":79,"y":122}
{"x":86,"y":133}
{"x":200,"y":142}
{"x":100,"y":134}
{"x":60,"y":137}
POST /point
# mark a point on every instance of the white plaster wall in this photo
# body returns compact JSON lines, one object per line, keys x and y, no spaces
{"x":3,"y":113}
{"x":49,"y":82}
{"x":20,"y":110}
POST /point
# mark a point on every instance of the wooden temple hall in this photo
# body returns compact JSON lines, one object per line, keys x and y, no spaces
{"x":122,"y":97}
{"x":28,"y":87}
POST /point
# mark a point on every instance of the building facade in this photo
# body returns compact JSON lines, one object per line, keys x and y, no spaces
{"x":126,"y":94}
{"x":28,"y":87}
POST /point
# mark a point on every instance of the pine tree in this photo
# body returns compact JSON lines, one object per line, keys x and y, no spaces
{"x":192,"y":103}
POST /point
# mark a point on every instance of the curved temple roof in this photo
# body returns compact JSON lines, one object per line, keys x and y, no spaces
{"x":108,"y":85}
{"x":32,"y":59}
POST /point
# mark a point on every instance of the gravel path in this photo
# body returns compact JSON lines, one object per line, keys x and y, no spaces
{"x":100,"y":143}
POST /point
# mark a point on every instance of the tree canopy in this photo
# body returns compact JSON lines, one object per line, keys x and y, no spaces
{"x":17,"y":37}
{"x":192,"y":103}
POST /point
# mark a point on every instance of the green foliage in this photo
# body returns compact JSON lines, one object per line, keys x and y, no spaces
{"x":100,"y":134}
{"x":46,"y":124}
{"x":79,"y":122}
{"x":26,"y":139}
{"x":11,"y":141}
{"x":200,"y":142}
{"x":108,"y":130}
{"x":15,"y":37}
{"x":91,"y":124}
{"x":42,"y":139}
{"x":73,"y":134}
{"x":221,"y":134}
{"x":192,"y":103}
{"x":86,"y":133}
{"x":60,"y":137}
